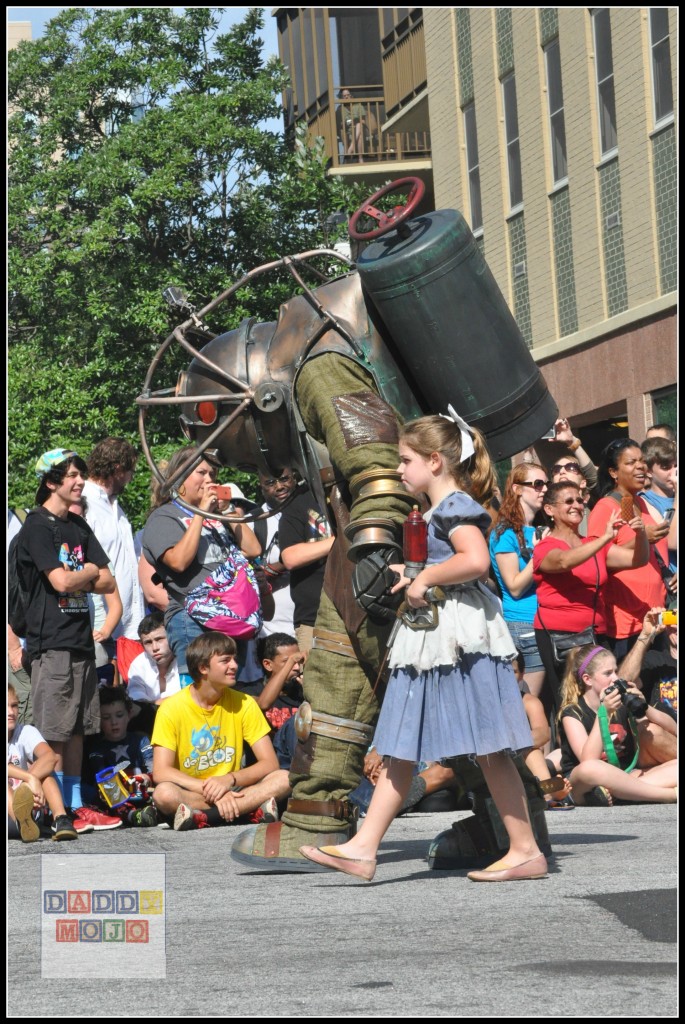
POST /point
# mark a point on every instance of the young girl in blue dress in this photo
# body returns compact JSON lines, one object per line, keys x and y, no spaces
{"x":452,"y":690}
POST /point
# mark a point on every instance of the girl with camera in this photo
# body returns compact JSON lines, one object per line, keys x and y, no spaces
{"x":599,"y":735}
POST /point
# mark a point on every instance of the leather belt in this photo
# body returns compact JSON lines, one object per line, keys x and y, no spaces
{"x":338,"y":643}
{"x":345,"y":729}
{"x":344,"y":810}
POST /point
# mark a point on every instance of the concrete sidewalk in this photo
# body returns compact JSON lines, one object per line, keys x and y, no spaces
{"x":594,"y":939}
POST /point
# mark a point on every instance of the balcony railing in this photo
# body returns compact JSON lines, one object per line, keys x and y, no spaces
{"x":352,"y":134}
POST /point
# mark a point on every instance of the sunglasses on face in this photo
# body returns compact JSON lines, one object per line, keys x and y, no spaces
{"x":537,"y":485}
{"x":570,"y":467}
{"x":272,"y":481}
{"x":571,"y":501}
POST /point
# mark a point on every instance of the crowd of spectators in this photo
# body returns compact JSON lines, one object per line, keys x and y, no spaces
{"x":126,"y":710}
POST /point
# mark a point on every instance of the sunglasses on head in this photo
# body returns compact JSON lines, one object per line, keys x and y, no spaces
{"x":619,"y":444}
{"x":537,"y":485}
{"x":570,"y":467}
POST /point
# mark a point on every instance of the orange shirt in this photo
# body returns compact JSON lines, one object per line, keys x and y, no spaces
{"x":630,"y":593}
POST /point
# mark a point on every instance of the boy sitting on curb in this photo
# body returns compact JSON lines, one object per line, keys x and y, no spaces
{"x":198,"y":743}
{"x":279,"y":693}
{"x":30,"y":782}
{"x":115,"y":745}
{"x":153,"y":675}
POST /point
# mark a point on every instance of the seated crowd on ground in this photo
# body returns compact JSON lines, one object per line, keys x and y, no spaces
{"x":584,"y":561}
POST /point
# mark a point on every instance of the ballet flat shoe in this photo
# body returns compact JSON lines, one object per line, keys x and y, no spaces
{"x":331,"y":857}
{"x":534,"y":868}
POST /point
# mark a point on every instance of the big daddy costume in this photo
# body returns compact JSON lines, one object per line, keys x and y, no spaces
{"x":324,"y":390}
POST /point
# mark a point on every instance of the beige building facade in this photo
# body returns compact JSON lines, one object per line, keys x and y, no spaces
{"x":553,"y":130}
{"x":17,"y":32}
{"x":587,"y":258}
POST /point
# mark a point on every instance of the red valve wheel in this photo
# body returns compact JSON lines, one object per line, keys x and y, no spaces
{"x":388,"y":220}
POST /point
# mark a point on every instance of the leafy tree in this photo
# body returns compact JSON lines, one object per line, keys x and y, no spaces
{"x":139,"y":158}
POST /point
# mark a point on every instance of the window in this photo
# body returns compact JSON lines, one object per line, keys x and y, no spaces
{"x":473,"y":166}
{"x":661,"y":63}
{"x":511,"y":129}
{"x":555,"y":102}
{"x":604,"y":70}
{"x":665,"y":405}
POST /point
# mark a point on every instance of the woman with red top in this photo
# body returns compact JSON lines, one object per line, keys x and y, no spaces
{"x":571,"y":572}
{"x":628,"y":595}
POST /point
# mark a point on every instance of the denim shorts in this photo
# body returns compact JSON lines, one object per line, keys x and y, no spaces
{"x":523,"y":635}
{"x":180,"y":631}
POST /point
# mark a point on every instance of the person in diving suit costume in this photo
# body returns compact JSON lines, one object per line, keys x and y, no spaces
{"x":324,"y":390}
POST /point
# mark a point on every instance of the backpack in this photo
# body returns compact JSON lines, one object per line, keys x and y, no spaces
{"x":17,"y":596}
{"x":260,"y":531}
{"x":17,"y":592}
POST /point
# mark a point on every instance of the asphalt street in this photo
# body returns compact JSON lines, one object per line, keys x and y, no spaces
{"x":597,"y":938}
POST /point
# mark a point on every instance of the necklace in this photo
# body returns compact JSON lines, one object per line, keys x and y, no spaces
{"x":206,"y":712}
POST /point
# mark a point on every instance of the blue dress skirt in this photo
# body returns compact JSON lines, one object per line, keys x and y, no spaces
{"x":472,"y":708}
{"x":452,"y":690}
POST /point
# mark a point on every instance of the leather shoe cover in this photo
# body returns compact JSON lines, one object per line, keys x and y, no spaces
{"x":534,"y":868}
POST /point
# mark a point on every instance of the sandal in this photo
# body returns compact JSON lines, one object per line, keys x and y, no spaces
{"x":598,"y":797}
{"x":566,"y":804}
{"x":556,"y":787}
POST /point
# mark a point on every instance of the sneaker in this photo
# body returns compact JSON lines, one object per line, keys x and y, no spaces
{"x":184,"y":819}
{"x":82,"y":827}
{"x":63,"y":829}
{"x":100,"y":822}
{"x":146,"y":817}
{"x":265,"y":813}
{"x":22,"y":805}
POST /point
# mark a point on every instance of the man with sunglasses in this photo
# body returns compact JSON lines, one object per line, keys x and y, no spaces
{"x":276,"y":490}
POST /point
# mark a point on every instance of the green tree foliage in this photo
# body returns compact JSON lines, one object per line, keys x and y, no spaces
{"x":139,"y":158}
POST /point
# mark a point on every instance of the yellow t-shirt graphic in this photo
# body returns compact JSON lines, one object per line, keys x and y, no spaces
{"x":208,"y":743}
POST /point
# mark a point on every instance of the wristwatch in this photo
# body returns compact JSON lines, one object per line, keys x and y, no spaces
{"x":574,"y":445}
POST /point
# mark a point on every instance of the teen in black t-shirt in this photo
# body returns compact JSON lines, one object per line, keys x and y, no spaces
{"x":305,"y":539}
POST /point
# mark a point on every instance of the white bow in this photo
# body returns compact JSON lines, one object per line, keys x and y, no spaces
{"x":465,"y":430}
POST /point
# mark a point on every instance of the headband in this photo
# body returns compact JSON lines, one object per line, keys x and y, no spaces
{"x":465,"y":430}
{"x":587,"y":659}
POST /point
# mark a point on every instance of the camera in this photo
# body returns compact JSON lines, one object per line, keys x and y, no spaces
{"x":632,"y":702}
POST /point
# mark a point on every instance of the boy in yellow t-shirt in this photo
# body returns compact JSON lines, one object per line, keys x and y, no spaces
{"x":198,"y":741}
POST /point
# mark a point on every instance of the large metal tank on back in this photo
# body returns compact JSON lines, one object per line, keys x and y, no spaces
{"x":439,"y":302}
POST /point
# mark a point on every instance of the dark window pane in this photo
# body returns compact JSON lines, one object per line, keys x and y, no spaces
{"x":510,"y":111}
{"x":359,"y":49}
{"x":663,"y":89}
{"x":474,"y":197}
{"x":607,"y":116}
{"x":658,"y":19}
{"x":515,"y":186}
{"x":559,"y":146}
{"x":471,"y":135}
{"x":603,"y":56}
{"x":556,"y":99}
